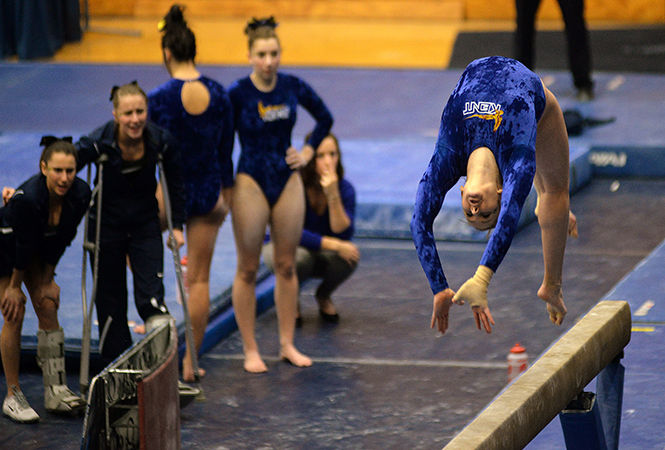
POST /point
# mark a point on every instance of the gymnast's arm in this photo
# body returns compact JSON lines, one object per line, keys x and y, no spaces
{"x":225,"y":147}
{"x":517,"y":182}
{"x":438,"y":179}
{"x":311,"y":101}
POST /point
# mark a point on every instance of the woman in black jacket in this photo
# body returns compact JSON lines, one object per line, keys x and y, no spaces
{"x":38,"y":222}
{"x":131,"y":147}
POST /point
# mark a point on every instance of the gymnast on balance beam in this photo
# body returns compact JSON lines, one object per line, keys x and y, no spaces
{"x":503,"y":130}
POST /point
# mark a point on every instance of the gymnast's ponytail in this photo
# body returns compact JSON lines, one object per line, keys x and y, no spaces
{"x":176,"y":35}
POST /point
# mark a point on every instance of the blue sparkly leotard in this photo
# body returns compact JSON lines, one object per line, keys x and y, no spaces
{"x":206,"y":140}
{"x":264,"y":121}
{"x":496,"y":104}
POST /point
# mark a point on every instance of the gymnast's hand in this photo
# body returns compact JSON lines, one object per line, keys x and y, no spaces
{"x":474,"y":290}
{"x":178,"y":239}
{"x":440,"y":306}
{"x":295,"y":159}
{"x":12,"y":303}
{"x":7,"y":193}
{"x":572,"y":224}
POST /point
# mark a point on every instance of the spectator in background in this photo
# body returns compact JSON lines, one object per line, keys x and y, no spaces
{"x":577,"y":38}
{"x":325,"y":249}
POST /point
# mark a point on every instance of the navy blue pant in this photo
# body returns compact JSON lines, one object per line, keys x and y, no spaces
{"x":577,"y":37}
{"x":143,"y":244}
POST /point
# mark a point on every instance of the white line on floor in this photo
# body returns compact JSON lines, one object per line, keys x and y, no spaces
{"x":378,"y":361}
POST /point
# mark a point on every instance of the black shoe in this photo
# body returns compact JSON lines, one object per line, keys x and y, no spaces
{"x":331,"y":318}
{"x":585,"y":94}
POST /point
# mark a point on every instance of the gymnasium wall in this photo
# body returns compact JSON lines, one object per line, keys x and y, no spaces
{"x":629,"y":11}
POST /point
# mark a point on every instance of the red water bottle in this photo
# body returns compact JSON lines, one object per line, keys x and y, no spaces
{"x":518,"y":360}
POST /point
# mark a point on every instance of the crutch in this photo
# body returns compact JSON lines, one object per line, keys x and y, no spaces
{"x":189,"y":335}
{"x":93,"y":249}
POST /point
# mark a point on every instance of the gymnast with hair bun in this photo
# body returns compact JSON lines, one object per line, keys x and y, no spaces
{"x":268,"y":188}
{"x":503,"y":130}
{"x":197,"y":111}
{"x":37,"y":223}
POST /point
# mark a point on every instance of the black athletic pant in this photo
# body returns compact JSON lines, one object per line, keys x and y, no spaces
{"x":577,"y":37}
{"x":143,"y":244}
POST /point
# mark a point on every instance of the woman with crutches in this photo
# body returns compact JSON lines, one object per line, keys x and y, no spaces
{"x":130,"y":225}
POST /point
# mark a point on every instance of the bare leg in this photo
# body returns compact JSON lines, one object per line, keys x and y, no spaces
{"x":250,"y":217}
{"x":10,"y":344}
{"x":201,"y":236}
{"x":285,"y":229}
{"x":551,"y":182}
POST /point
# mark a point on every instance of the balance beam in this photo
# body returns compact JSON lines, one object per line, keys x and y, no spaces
{"x":526,"y":406}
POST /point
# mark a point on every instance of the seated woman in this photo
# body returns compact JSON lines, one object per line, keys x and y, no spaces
{"x":38,"y":222}
{"x":325,"y":249}
{"x":503,"y":130}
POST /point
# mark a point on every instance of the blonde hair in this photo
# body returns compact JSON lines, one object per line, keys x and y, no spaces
{"x":132,"y":88}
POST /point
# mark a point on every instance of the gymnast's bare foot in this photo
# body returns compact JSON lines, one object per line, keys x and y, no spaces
{"x":188,"y":371}
{"x":291,"y":354}
{"x":254,"y":363}
{"x":553,"y":296}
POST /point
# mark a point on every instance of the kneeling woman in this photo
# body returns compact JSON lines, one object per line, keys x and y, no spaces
{"x":325,"y":249}
{"x":38,"y":223}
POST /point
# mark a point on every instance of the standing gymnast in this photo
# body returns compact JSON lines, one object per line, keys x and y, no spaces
{"x":197,"y":111}
{"x":130,"y":221}
{"x":268,"y":188}
{"x":503,"y":130}
{"x":37,"y":224}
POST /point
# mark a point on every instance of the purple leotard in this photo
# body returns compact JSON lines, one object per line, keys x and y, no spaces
{"x":264,"y":121}
{"x":496,"y":104}
{"x":206,"y":141}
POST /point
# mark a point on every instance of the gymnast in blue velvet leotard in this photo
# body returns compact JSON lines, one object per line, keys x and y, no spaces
{"x":206,"y":140}
{"x":497,"y":104}
{"x":264,"y":121}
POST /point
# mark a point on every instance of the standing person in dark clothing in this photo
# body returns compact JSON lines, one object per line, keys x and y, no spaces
{"x":197,"y":111}
{"x":36,"y":226}
{"x":577,"y":38}
{"x":130,"y":222}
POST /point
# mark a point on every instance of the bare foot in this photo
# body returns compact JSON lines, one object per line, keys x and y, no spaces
{"x":139,"y":329}
{"x":254,"y":363}
{"x":292,"y":355}
{"x":188,"y":373}
{"x":553,"y":296}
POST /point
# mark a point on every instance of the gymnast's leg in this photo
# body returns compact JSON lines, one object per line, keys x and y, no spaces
{"x":551,"y":181}
{"x":286,"y":224}
{"x":250,"y":217}
{"x":201,"y":237}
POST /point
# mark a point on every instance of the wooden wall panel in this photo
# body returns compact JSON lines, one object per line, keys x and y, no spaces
{"x":110,"y":7}
{"x":361,"y":9}
{"x":635,"y":11}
